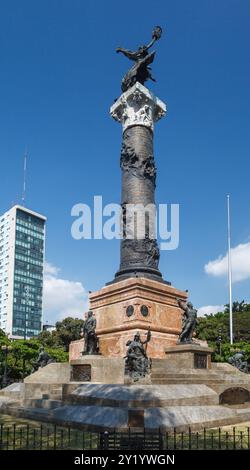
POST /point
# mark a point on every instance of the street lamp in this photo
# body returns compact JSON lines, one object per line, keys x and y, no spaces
{"x":220,"y":339}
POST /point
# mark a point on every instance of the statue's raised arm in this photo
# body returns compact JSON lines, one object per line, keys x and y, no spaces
{"x":140,"y":71}
{"x":156,"y":34}
{"x":189,"y":321}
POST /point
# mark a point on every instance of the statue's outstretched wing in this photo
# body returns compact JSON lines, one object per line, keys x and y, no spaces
{"x":129,"y":54}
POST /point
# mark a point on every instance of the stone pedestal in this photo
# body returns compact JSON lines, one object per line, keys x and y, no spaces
{"x":188,"y":356}
{"x":128,"y":380}
{"x":123,"y":308}
{"x":97,"y":369}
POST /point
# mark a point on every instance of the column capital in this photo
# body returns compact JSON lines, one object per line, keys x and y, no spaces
{"x":138,"y":106}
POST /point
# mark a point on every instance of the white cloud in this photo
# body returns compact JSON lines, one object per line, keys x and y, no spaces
{"x":50,"y":269}
{"x":240,"y":263}
{"x":62,"y":297}
{"x":208,"y":309}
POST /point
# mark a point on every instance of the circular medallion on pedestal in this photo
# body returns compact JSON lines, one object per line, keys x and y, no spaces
{"x":144,"y":310}
{"x":129,"y":310}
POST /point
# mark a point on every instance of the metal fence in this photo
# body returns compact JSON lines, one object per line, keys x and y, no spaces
{"x":48,"y":437}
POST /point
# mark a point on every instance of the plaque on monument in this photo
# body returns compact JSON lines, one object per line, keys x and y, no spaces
{"x":144,"y":310}
{"x":136,"y":419}
{"x":80,"y":373}
{"x":129,"y":310}
{"x":200,"y":361}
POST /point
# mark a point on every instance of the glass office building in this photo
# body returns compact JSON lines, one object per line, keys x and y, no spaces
{"x":21,"y":272}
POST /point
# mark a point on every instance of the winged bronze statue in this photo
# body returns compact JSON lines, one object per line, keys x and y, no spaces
{"x":140,"y":72}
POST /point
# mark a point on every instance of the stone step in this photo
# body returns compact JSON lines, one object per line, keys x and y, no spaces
{"x":192,"y":380}
{"x":150,"y":403}
{"x":138,"y":396}
{"x":168,"y":370}
{"x":37,"y":414}
{"x":181,"y":417}
{"x":229,"y":378}
{"x":187,"y":377}
{"x":166,"y":367}
{"x":40,"y":403}
{"x":180,"y":375}
{"x":234,"y":378}
{"x":53,"y":396}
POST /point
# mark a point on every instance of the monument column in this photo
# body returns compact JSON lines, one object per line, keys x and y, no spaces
{"x":137,"y":110}
{"x":138,"y":299}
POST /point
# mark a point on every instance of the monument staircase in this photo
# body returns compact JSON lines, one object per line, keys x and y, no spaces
{"x":50,"y":400}
{"x":175,"y":398}
{"x":217,"y":377}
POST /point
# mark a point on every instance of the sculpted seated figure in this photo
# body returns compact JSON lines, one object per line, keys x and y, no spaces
{"x":42,"y":360}
{"x":137,"y":364}
{"x":239,"y":360}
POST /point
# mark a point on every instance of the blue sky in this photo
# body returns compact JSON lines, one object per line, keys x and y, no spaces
{"x":59,"y":76}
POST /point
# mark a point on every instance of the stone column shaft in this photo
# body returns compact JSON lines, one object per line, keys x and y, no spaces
{"x":137,"y":110}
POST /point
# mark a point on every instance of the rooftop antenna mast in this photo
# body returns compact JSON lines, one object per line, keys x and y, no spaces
{"x":24,"y":177}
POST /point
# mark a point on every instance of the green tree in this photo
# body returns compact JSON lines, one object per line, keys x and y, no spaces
{"x":4,"y":341}
{"x":228,"y":350}
{"x":49,"y":339}
{"x":23,"y":353}
{"x":209,"y":326}
{"x":58,"y":354}
{"x":3,"y":338}
{"x":68,"y":330}
{"x":236,"y":307}
{"x":21,"y":356}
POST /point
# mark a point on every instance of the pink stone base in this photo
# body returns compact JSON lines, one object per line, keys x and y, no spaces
{"x":114,"y":345}
{"x":115,"y":328}
{"x":75,"y":349}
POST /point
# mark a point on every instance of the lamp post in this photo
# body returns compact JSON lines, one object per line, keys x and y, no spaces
{"x":220,"y":340}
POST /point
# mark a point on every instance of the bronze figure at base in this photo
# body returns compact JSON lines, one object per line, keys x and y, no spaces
{"x":91,"y":343}
{"x":137,"y":363}
{"x":42,"y":360}
{"x":189,"y":322}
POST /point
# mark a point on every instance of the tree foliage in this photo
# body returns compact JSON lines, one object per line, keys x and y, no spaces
{"x":23,"y":353}
{"x":66,"y":331}
{"x":212,"y":327}
{"x":237,"y":307}
{"x":228,"y":350}
{"x":69,"y":330}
